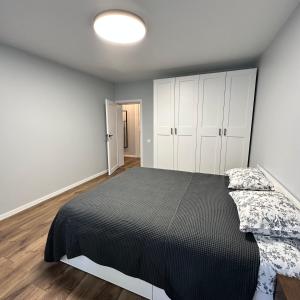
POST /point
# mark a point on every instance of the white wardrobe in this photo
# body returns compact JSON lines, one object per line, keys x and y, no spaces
{"x":203,"y":123}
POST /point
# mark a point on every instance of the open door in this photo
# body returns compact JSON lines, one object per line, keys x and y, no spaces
{"x":114,"y":136}
{"x":120,"y":134}
{"x":111,"y":136}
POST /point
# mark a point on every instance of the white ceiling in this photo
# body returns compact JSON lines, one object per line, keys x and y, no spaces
{"x":183,"y":35}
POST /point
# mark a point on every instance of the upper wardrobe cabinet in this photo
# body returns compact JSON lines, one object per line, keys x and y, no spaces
{"x":203,"y":123}
{"x":175,"y":123}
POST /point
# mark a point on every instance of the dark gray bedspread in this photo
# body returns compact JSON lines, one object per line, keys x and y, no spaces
{"x":176,"y":230}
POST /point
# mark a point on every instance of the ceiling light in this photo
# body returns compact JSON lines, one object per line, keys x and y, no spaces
{"x":119,"y":27}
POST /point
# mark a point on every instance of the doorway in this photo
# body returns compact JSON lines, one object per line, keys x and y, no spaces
{"x":124,"y":134}
{"x":132,"y":126}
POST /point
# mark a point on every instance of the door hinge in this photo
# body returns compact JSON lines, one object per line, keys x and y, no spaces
{"x":108,"y":136}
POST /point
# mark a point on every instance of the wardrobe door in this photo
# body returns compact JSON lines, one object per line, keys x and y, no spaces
{"x":238,"y":110}
{"x":210,"y":121}
{"x":186,"y":103}
{"x":164,"y":123}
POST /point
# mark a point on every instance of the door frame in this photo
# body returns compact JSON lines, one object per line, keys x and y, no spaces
{"x":140,"y":102}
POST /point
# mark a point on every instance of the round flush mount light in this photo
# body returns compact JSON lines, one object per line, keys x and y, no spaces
{"x":119,"y":26}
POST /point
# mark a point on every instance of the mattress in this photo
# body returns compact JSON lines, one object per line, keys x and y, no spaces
{"x":176,"y":230}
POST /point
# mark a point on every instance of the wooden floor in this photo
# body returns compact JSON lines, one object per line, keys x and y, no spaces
{"x":24,"y":274}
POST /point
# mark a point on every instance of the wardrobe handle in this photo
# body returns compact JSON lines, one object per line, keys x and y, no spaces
{"x":176,"y":131}
{"x":171,"y":131}
{"x":225,"y":132}
{"x":220,"y":131}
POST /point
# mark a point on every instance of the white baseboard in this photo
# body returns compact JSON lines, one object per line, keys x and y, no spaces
{"x":279,"y":186}
{"x":49,"y":196}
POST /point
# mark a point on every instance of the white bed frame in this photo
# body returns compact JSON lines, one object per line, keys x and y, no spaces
{"x":135,"y":285}
{"x":144,"y":288}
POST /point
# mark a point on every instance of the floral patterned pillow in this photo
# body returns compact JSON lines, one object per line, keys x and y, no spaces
{"x":248,"y":179}
{"x":277,"y":256}
{"x":267,"y":213}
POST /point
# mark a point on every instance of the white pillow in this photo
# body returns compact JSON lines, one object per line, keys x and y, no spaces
{"x":267,"y":213}
{"x":248,"y":179}
{"x":277,"y":256}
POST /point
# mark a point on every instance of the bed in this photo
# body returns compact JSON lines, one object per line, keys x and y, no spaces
{"x":171,"y":234}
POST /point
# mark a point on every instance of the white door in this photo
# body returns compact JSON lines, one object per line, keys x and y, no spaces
{"x":120,"y":135}
{"x":138,"y":130}
{"x":185,"y":132}
{"x":111,"y":135}
{"x":164,"y":123}
{"x":238,"y":110}
{"x":210,"y":120}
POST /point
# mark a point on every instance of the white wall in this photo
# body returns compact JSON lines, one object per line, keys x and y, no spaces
{"x":52,"y":127}
{"x":276,"y":132}
{"x":141,"y":90}
{"x":133,"y":129}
